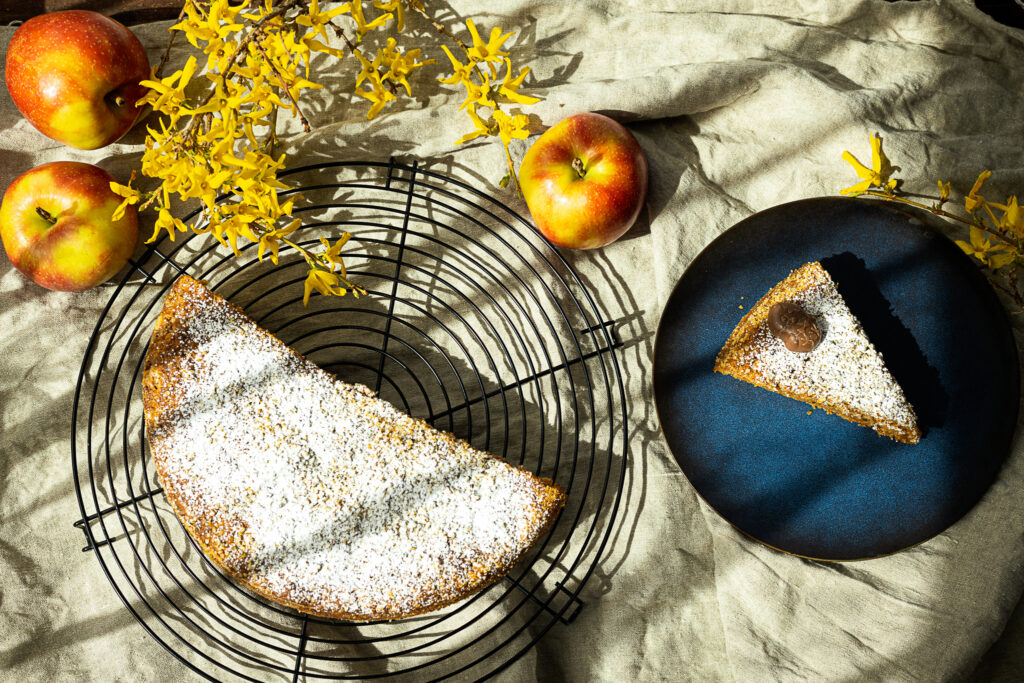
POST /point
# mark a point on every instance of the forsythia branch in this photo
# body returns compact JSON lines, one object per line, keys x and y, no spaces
{"x":215,"y":135}
{"x":997,"y":241}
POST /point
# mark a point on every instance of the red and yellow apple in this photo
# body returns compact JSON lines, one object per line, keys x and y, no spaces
{"x":56,"y":223}
{"x":75,"y":76}
{"x":584,"y":181}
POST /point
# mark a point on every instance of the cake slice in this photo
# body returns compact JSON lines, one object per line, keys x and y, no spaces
{"x":843,"y":374}
{"x":313,"y":492}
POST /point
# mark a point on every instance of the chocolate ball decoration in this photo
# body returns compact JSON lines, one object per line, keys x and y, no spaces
{"x":794,"y":326}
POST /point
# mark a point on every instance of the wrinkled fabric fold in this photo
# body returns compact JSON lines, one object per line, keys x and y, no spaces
{"x":739,"y":106}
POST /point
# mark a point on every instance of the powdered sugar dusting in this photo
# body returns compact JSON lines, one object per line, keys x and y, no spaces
{"x":319,"y":493}
{"x":844,"y":369}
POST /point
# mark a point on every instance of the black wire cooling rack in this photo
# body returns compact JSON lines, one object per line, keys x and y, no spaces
{"x":472,"y":322}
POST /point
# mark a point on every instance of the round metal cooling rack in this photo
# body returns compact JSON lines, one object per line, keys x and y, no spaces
{"x":472,"y":322}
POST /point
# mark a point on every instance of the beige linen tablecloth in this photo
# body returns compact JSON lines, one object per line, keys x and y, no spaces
{"x":739,"y":106}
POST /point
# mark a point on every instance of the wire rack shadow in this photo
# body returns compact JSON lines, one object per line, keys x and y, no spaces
{"x":472,"y":322}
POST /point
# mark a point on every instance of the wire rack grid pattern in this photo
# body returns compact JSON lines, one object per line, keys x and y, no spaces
{"x":472,"y":322}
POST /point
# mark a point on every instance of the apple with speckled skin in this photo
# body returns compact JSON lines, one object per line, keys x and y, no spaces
{"x":75,"y":76}
{"x":584,"y":181}
{"x":57,"y":226}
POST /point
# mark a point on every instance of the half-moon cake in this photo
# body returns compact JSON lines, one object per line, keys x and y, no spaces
{"x":844,"y":374}
{"x":313,"y":492}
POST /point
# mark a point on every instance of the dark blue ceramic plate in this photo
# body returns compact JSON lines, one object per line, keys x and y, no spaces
{"x":817,"y":485}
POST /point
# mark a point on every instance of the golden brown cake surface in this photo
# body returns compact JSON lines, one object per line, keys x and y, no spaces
{"x":313,"y":492}
{"x":844,"y":374}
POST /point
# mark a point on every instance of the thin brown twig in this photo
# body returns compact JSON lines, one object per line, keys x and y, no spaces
{"x":170,"y":43}
{"x":313,"y":262}
{"x":1015,"y":289}
{"x":284,"y":86}
{"x":942,"y":212}
{"x":271,"y":141}
{"x":340,"y":33}
{"x":512,"y":172}
{"x":1012,"y":290}
{"x":416,"y":7}
{"x":1012,"y":293}
{"x":150,"y":198}
{"x":242,"y":46}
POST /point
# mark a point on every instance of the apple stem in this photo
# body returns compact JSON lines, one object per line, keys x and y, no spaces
{"x":577,"y":165}
{"x":45,"y":215}
{"x":119,"y":101}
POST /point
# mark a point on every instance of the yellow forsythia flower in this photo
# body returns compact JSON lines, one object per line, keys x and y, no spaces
{"x":332,"y":254}
{"x":478,"y":94}
{"x":973,"y":200}
{"x":995,"y":256}
{"x":1012,"y":218}
{"x":876,"y":176}
{"x":511,"y":126}
{"x":362,"y":27}
{"x":167,"y":95}
{"x":509,"y":88}
{"x":131,"y":196}
{"x":208,"y":29}
{"x":399,"y":64}
{"x":491,"y":50}
{"x":460,"y":72}
{"x":369,"y":67}
{"x":325,"y":282}
{"x":397,"y":8}
{"x":237,"y":223}
{"x":166,"y":222}
{"x":227,"y":98}
{"x":215,"y":147}
{"x":317,"y":20}
{"x":269,"y":239}
{"x":379,"y":96}
{"x":481,"y":127}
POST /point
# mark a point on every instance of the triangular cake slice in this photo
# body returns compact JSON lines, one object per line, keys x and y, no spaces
{"x":313,"y":492}
{"x":844,"y":374}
